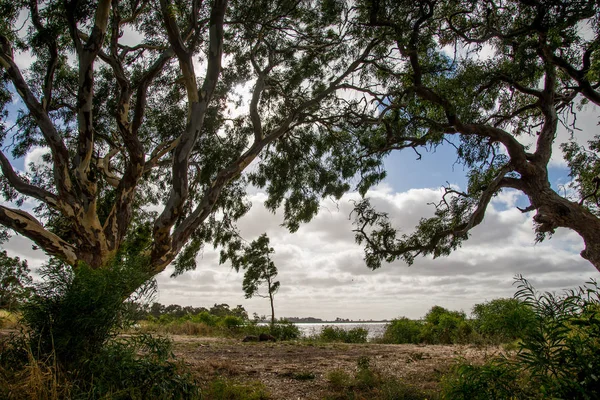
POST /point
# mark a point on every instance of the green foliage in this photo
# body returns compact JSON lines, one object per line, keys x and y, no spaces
{"x":496,"y":379}
{"x":140,"y":367}
{"x":284,"y":330}
{"x":255,"y":260}
{"x":15,"y":281}
{"x":73,"y":313}
{"x":562,"y":353}
{"x":136,"y":368}
{"x":232,"y":323}
{"x":206,"y":318}
{"x":225,"y":389}
{"x":584,"y":164}
{"x":72,"y":323}
{"x":558,"y":357}
{"x":339,"y":334}
{"x":403,"y":330}
{"x":445,"y":327}
{"x":502,"y":320}
{"x":440,"y":326}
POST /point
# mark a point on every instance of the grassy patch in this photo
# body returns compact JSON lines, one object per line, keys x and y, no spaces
{"x":228,"y":389}
{"x":369,"y":383}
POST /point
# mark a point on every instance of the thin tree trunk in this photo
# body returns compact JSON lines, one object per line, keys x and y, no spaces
{"x":272,"y":307}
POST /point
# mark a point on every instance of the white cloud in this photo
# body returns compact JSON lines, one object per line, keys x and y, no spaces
{"x":35,"y":157}
{"x":322,"y":273}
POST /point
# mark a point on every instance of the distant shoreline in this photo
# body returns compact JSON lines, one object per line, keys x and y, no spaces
{"x":334,"y":322}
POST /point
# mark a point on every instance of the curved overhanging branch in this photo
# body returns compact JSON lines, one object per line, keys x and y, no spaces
{"x":25,"y":224}
{"x":26,"y":188}
{"x":383,"y":244}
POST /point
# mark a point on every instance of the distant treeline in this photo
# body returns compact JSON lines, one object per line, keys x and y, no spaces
{"x":174,"y":311}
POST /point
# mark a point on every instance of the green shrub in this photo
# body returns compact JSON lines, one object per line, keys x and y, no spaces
{"x":73,"y":313}
{"x":562,"y":351}
{"x":70,"y":346}
{"x":231,"y":323}
{"x":139,"y":367}
{"x":445,"y":327}
{"x":496,"y":379}
{"x":503,"y":320}
{"x":403,"y":330}
{"x":558,"y":357}
{"x":339,"y":334}
{"x":284,"y":330}
{"x":205,"y":318}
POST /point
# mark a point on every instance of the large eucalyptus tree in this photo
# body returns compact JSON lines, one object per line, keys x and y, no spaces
{"x":133,"y":100}
{"x":495,"y":79}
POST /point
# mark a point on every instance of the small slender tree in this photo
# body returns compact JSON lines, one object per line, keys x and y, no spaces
{"x":260,"y":270}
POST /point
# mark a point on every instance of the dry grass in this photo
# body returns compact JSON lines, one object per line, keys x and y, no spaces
{"x":38,"y":380}
{"x":9,"y":320}
{"x":278,"y":365}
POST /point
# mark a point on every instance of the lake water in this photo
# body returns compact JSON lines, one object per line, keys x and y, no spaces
{"x":375,"y":329}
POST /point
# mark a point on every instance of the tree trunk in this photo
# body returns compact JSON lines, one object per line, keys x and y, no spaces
{"x":272,"y":308}
{"x":554,"y":211}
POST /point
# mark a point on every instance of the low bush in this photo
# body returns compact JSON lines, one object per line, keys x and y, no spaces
{"x":339,"y":334}
{"x":137,"y":367}
{"x":558,"y":357}
{"x":445,"y":327}
{"x":231,"y":323}
{"x":403,"y":330}
{"x":284,"y":330}
{"x":502,"y":320}
{"x":496,"y":379}
{"x":70,"y":348}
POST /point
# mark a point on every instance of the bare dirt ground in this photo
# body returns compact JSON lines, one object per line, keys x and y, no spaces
{"x":279,"y":365}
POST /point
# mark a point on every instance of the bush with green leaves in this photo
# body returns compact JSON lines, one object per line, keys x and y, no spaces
{"x":72,"y":323}
{"x":502,"y":320}
{"x":339,"y":334}
{"x":559,"y":357}
{"x":496,"y":379}
{"x":73,"y":313}
{"x":403,"y":330}
{"x":284,"y":330}
{"x":205,"y":318}
{"x":443,"y":326}
{"x":15,"y":281}
{"x":140,"y":367}
{"x":232,"y":323}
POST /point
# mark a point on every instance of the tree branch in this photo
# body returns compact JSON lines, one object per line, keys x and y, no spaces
{"x":25,"y":224}
{"x":60,"y":155}
{"x":198,"y":107}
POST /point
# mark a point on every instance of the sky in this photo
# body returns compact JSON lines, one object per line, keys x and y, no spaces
{"x":321,"y":268}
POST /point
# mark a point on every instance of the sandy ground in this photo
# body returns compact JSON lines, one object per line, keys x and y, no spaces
{"x":279,"y":365}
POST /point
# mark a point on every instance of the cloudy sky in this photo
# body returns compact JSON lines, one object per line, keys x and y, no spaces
{"x":321,"y":269}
